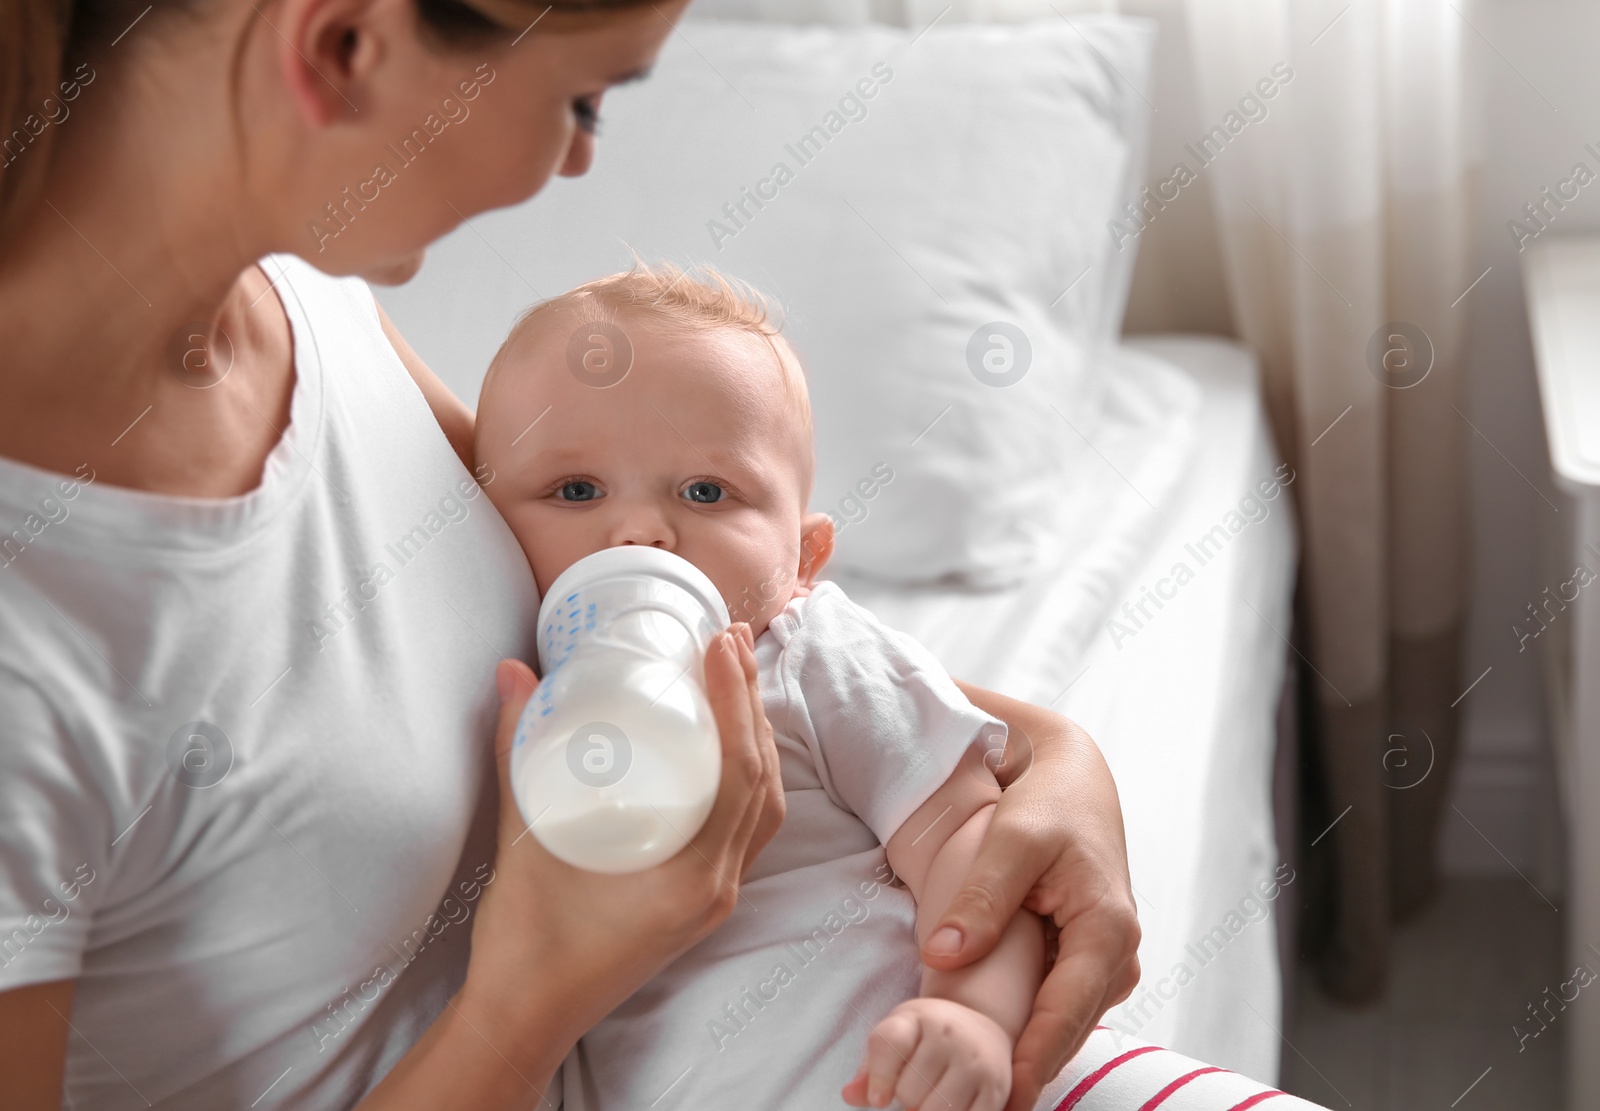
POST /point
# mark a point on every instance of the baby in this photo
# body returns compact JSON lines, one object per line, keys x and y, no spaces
{"x":657,"y":407}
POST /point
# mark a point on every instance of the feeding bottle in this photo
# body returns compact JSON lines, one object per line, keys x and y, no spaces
{"x":616,"y":759}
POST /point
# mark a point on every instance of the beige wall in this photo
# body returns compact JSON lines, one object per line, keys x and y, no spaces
{"x":1177,"y":283}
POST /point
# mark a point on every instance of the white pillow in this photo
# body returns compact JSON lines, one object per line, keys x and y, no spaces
{"x":934,"y":184}
{"x":1133,"y":121}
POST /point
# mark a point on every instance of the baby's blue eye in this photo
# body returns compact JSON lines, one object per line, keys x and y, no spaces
{"x":703,"y":492}
{"x":579,"y":491}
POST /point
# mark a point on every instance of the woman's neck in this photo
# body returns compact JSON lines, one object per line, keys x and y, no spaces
{"x":122,"y":263}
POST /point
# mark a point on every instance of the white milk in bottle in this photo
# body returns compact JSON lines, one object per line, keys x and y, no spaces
{"x":616,"y":759}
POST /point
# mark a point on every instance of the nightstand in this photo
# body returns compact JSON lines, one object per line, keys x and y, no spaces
{"x":1561,"y":277}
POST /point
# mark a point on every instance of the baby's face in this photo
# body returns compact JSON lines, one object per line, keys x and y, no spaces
{"x":699,"y":450}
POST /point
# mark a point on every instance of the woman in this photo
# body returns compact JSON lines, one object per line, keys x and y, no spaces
{"x":250,"y":596}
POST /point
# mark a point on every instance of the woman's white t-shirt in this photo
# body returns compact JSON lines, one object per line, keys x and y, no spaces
{"x":246,"y":741}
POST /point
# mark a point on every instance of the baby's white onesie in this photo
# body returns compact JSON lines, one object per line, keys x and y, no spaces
{"x":773,"y":1009}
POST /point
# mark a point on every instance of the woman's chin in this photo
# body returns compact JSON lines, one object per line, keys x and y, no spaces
{"x":396,"y":271}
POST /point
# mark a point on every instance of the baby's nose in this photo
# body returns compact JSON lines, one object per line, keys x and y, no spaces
{"x":643,"y":527}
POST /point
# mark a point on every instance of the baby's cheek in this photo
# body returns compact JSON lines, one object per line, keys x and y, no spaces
{"x":746,"y":556}
{"x":548,"y":546}
{"x":757,"y":597}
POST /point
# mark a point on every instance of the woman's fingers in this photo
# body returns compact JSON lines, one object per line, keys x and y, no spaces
{"x":514,"y":681}
{"x":736,"y":813}
{"x":1064,"y":1012}
{"x":1010,"y":862}
{"x":1079,"y":988}
{"x":771,"y":809}
{"x":766,"y":805}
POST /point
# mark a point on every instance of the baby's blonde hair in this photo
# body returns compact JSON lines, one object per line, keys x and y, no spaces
{"x":701,"y":299}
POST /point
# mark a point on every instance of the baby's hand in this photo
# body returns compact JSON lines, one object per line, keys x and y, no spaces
{"x":935,"y":1055}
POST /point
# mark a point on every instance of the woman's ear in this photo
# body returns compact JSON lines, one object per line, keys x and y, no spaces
{"x":326,"y":50}
{"x":816,"y":546}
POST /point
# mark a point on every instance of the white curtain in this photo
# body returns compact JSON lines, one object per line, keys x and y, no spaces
{"x":1344,"y":212}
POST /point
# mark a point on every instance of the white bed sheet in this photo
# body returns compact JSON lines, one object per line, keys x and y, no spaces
{"x":1185,"y":707}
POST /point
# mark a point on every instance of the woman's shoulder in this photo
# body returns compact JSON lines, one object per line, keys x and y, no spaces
{"x":339,"y":309}
{"x":373,"y":362}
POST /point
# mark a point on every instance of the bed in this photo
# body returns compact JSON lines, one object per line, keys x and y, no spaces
{"x":1159,"y":446}
{"x":1184,"y":707}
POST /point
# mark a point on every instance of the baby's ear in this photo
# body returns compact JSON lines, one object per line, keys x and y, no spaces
{"x":816,"y":546}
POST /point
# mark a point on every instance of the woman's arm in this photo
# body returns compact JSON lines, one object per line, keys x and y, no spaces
{"x":1056,"y":847}
{"x":33,"y":1044}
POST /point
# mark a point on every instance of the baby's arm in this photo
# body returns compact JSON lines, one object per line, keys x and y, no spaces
{"x":951,"y":1048}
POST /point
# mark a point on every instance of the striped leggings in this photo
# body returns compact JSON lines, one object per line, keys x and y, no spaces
{"x":1116,"y":1073}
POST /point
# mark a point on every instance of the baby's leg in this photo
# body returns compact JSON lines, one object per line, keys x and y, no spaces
{"x":1117,"y":1073}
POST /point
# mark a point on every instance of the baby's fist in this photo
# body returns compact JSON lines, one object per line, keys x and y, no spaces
{"x":934,"y":1054}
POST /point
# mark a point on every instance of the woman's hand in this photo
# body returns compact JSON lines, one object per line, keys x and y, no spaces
{"x":548,"y":932}
{"x":1054,"y":846}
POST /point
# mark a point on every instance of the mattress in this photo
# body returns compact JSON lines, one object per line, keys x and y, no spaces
{"x":1176,"y":675}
